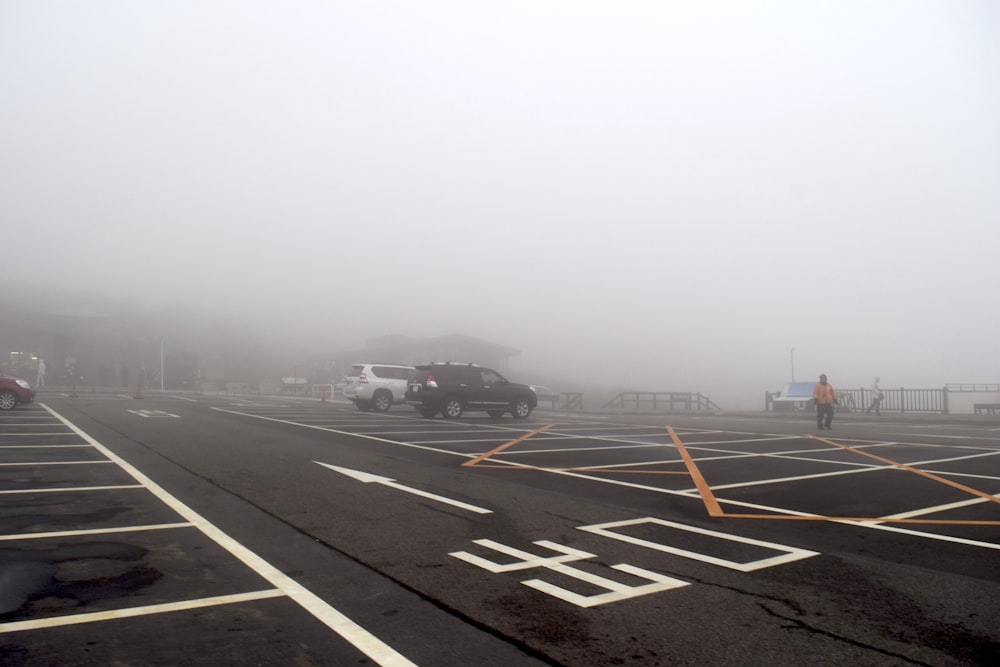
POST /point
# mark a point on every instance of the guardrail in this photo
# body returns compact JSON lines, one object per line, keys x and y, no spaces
{"x":571,"y":401}
{"x":900,"y":400}
{"x":972,"y":387}
{"x":656,"y":401}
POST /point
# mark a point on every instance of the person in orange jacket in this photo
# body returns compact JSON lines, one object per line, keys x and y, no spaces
{"x":825,"y":398}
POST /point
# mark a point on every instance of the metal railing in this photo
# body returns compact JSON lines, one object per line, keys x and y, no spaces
{"x":656,"y":401}
{"x":893,"y":400}
{"x":571,"y":401}
{"x":899,"y":400}
{"x":972,"y":387}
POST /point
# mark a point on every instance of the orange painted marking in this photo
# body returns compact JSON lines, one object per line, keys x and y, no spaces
{"x":922,"y":473}
{"x":707,"y":497}
{"x":712,"y":504}
{"x":626,"y":471}
{"x":862,"y":519}
{"x":504,"y":446}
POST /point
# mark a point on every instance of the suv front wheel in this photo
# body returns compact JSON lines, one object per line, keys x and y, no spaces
{"x":520,"y":408}
{"x":452,"y":408}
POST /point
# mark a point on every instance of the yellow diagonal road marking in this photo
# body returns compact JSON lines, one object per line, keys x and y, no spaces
{"x":626,"y":471}
{"x":923,"y":473}
{"x":707,"y":497}
{"x":505,"y":445}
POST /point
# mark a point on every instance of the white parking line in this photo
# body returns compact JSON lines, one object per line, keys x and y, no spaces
{"x":46,"y":423}
{"x":6,"y":418}
{"x":950,"y":437}
{"x":873,"y":525}
{"x":351,"y":433}
{"x":74,"y":489}
{"x":939,"y":508}
{"x":562,"y":450}
{"x":131,"y":612}
{"x":787,"y":554}
{"x":43,"y":446}
{"x":95,"y":531}
{"x":861,"y":444}
{"x":357,"y":636}
{"x":869,"y":468}
{"x":51,"y":463}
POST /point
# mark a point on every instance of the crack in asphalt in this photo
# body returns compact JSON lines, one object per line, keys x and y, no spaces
{"x":802,"y":625}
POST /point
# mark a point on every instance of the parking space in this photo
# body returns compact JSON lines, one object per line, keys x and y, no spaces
{"x":951,"y":484}
{"x":87,"y":539}
{"x":495,"y":518}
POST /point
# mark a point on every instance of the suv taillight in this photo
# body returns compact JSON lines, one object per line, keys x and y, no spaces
{"x":431,"y":382}
{"x":363,"y":379}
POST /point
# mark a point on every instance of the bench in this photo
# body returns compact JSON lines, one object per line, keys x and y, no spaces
{"x":986,"y":408}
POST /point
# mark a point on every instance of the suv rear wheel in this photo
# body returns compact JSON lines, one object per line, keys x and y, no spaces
{"x":452,"y":408}
{"x":520,"y":408}
{"x":382,"y":400}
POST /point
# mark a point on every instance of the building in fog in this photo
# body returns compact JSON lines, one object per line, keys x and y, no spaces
{"x":412,"y":351}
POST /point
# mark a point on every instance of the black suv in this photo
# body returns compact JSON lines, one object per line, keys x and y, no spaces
{"x":451,"y":389}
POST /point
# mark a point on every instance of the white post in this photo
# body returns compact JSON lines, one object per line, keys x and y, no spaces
{"x":161,"y":365}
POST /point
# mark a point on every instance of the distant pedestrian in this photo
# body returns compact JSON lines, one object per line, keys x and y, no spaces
{"x":73,"y":377}
{"x":40,"y":381}
{"x":825,"y":398}
{"x":877,"y":397}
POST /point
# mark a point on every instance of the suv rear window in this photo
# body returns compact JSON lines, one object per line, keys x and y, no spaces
{"x":391,"y":372}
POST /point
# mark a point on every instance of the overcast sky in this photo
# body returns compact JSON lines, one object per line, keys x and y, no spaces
{"x":664,"y":196}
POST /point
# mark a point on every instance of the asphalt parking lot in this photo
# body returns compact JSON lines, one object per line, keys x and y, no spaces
{"x":228,"y":530}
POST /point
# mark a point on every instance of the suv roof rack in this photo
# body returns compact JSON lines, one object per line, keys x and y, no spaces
{"x":453,"y":363}
{"x":376,"y":363}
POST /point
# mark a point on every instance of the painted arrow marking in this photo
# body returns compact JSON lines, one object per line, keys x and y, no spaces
{"x":153,"y":413}
{"x":369,"y":478}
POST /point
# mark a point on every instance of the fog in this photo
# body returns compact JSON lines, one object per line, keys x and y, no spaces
{"x":652,"y":195}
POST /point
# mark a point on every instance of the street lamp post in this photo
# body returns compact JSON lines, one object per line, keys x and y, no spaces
{"x":791,"y":354}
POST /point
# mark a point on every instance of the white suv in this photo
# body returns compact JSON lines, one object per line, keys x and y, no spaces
{"x":377,"y":386}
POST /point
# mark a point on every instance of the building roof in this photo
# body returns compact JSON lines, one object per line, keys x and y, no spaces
{"x":387,"y":348}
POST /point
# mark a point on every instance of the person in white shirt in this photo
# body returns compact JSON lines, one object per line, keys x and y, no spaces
{"x":876,"y":399}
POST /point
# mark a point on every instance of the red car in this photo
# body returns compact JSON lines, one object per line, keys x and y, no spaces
{"x":14,"y":391}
